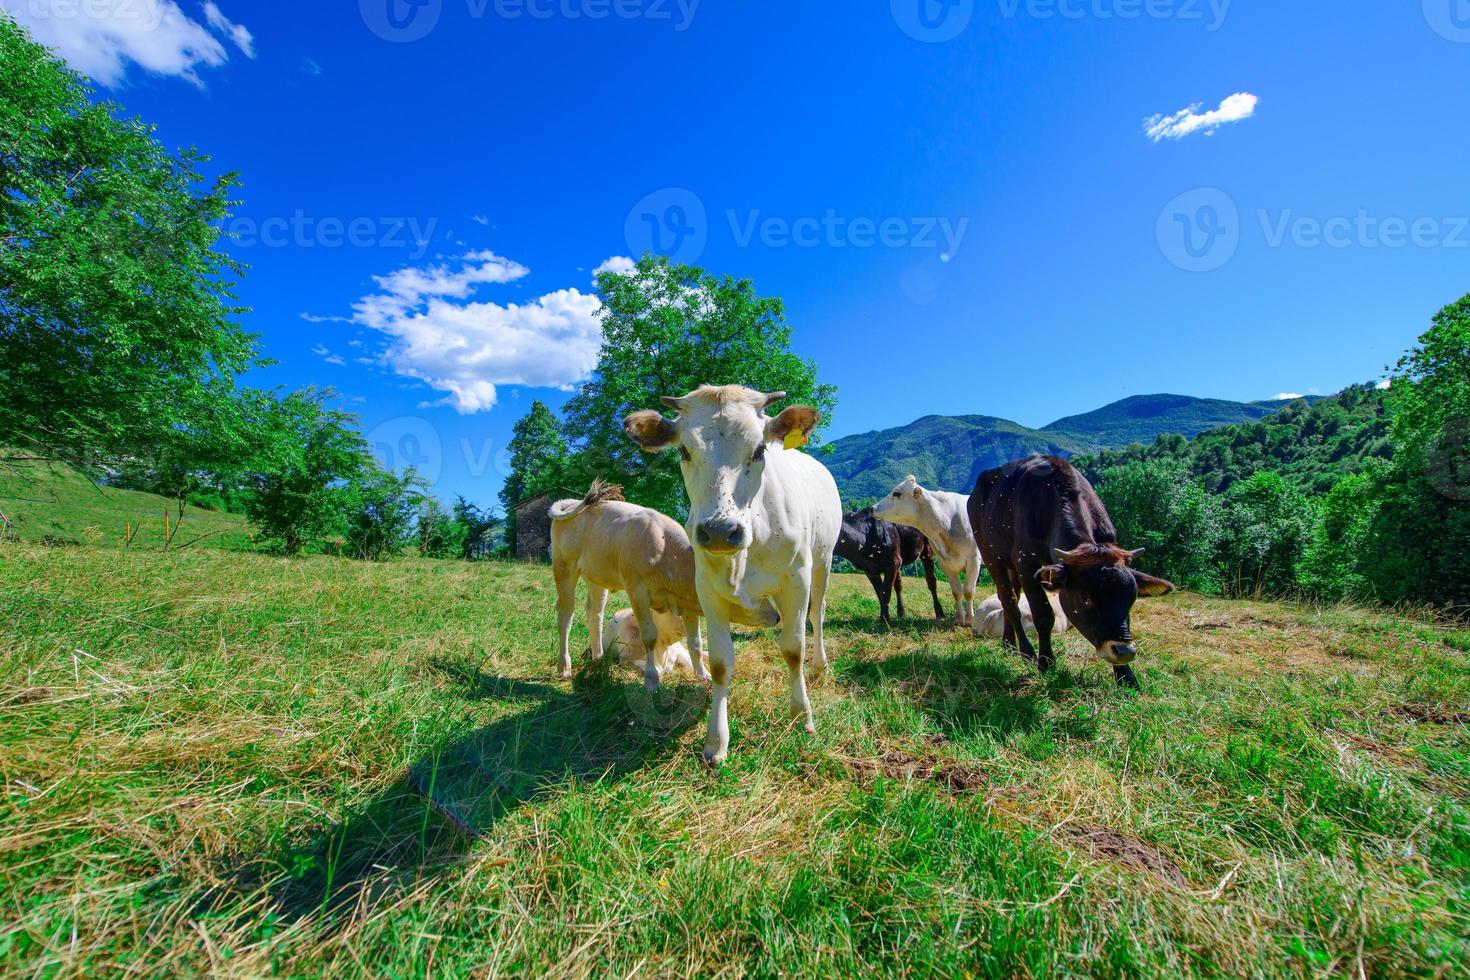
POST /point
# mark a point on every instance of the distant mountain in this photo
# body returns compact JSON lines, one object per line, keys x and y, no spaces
{"x":948,"y":452}
{"x":1143,"y":418}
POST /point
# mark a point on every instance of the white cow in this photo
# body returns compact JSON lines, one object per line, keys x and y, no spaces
{"x":943,"y":518}
{"x":990,"y":618}
{"x":764,"y":521}
{"x":624,"y":640}
{"x":618,"y":546}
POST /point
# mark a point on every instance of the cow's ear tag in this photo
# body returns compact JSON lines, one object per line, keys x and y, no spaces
{"x":795,"y":439}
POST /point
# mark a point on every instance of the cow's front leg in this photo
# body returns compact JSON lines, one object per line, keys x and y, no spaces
{"x":794,"y":610}
{"x":696,"y":646}
{"x":1044,"y":618}
{"x":722,"y":672}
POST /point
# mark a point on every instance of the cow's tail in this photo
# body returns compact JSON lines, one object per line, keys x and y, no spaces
{"x":596,"y":494}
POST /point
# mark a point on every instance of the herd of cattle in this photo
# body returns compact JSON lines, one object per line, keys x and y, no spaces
{"x":765,"y":521}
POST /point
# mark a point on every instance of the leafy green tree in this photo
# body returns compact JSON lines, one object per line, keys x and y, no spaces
{"x":1337,"y":563}
{"x":480,"y":529}
{"x":1157,"y":506}
{"x":116,"y":310}
{"x":667,"y":329}
{"x":538,"y":460}
{"x":379,"y":511}
{"x":1269,"y":525}
{"x":441,"y":534}
{"x":305,"y":459}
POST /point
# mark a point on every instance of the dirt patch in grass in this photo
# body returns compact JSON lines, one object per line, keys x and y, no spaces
{"x":953,"y":777}
{"x":1431,"y":716}
{"x":1110,"y":845}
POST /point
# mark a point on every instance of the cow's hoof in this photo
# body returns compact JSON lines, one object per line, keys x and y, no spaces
{"x":714,"y":757}
{"x":650,"y":680}
{"x":1126,"y":678}
{"x":564,"y":674}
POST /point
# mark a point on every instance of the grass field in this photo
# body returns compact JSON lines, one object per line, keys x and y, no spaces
{"x":218,"y":762}
{"x":55,"y":502}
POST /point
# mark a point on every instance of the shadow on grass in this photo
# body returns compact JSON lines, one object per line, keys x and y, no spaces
{"x":966,"y":695}
{"x":428,"y":820}
{"x":864,"y":622}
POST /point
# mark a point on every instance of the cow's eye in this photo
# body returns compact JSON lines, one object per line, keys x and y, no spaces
{"x":759,"y":454}
{"x":684,"y":455}
{"x":897,"y":494}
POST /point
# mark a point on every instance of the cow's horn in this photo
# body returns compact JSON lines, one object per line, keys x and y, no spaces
{"x":671,"y":401}
{"x":772,"y":398}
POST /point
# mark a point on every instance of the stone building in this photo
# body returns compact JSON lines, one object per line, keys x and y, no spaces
{"x":533,"y":529}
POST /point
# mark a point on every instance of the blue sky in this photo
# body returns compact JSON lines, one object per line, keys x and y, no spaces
{"x":963,"y":210}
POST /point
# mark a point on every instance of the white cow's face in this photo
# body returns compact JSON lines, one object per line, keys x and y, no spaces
{"x":902,"y":505}
{"x":723,"y":437}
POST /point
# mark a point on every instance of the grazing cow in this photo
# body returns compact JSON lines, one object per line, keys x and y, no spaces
{"x":942,"y":518}
{"x":879,"y":550}
{"x":1042,"y":528}
{"x":624,"y":640}
{"x":990,"y":618}
{"x":764,"y":520}
{"x":618,"y":546}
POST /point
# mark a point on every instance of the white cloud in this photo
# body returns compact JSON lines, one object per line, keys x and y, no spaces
{"x":1385,"y":384}
{"x":101,"y":38}
{"x":479,"y":219}
{"x":619,"y":265}
{"x":439,"y":335}
{"x":311,"y":67}
{"x":235,"y":32}
{"x":314,"y":318}
{"x":1287,"y":396}
{"x":1178,"y":125}
{"x":325,"y":353}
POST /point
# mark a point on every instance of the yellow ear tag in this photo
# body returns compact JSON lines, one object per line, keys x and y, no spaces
{"x":795,"y":439}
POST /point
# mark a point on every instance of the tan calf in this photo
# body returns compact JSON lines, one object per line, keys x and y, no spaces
{"x":618,"y":546}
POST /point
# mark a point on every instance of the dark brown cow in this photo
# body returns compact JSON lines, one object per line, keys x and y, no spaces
{"x":1041,"y":527}
{"x":879,"y":550}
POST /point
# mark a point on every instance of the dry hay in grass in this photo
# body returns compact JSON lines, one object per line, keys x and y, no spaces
{"x":953,"y":777}
{"x":1103,"y":844}
{"x":1243,"y":638}
{"x":1431,"y":716}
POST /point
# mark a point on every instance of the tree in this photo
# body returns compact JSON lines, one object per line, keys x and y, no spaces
{"x":1157,"y":506}
{"x":379,"y":508}
{"x":480,"y":527}
{"x":538,"y":459}
{"x":441,"y":534}
{"x":1269,"y":525}
{"x":306,"y":457}
{"x":667,"y":329}
{"x":116,"y":308}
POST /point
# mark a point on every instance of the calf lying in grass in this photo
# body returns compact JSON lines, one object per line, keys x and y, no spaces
{"x":625,"y":641}
{"x":990,"y":618}
{"x":616,"y":545}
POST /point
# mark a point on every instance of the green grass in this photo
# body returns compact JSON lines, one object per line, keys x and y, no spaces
{"x":217,"y":762}
{"x":56,"y":504}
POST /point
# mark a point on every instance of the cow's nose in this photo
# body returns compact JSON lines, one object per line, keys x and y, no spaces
{"x":720,"y":536}
{"x":1118,"y":654}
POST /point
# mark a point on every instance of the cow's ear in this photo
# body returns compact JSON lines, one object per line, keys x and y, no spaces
{"x":1052,"y":577}
{"x":650,"y":430}
{"x":798,"y":419}
{"x":1150,"y":587}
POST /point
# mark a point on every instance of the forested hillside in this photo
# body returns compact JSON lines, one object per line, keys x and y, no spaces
{"x":1312,"y":444}
{"x":948,"y":452}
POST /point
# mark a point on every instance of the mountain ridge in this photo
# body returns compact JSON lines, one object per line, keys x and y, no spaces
{"x":948,"y":451}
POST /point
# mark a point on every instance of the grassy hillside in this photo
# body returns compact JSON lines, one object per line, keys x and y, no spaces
{"x":52,"y":502}
{"x":948,"y":452}
{"x":215,"y":763}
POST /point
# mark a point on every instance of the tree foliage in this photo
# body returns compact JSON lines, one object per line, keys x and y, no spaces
{"x":538,"y":462}
{"x":380,"y":509}
{"x":1157,"y":506}
{"x":116,"y":311}
{"x":667,"y":329}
